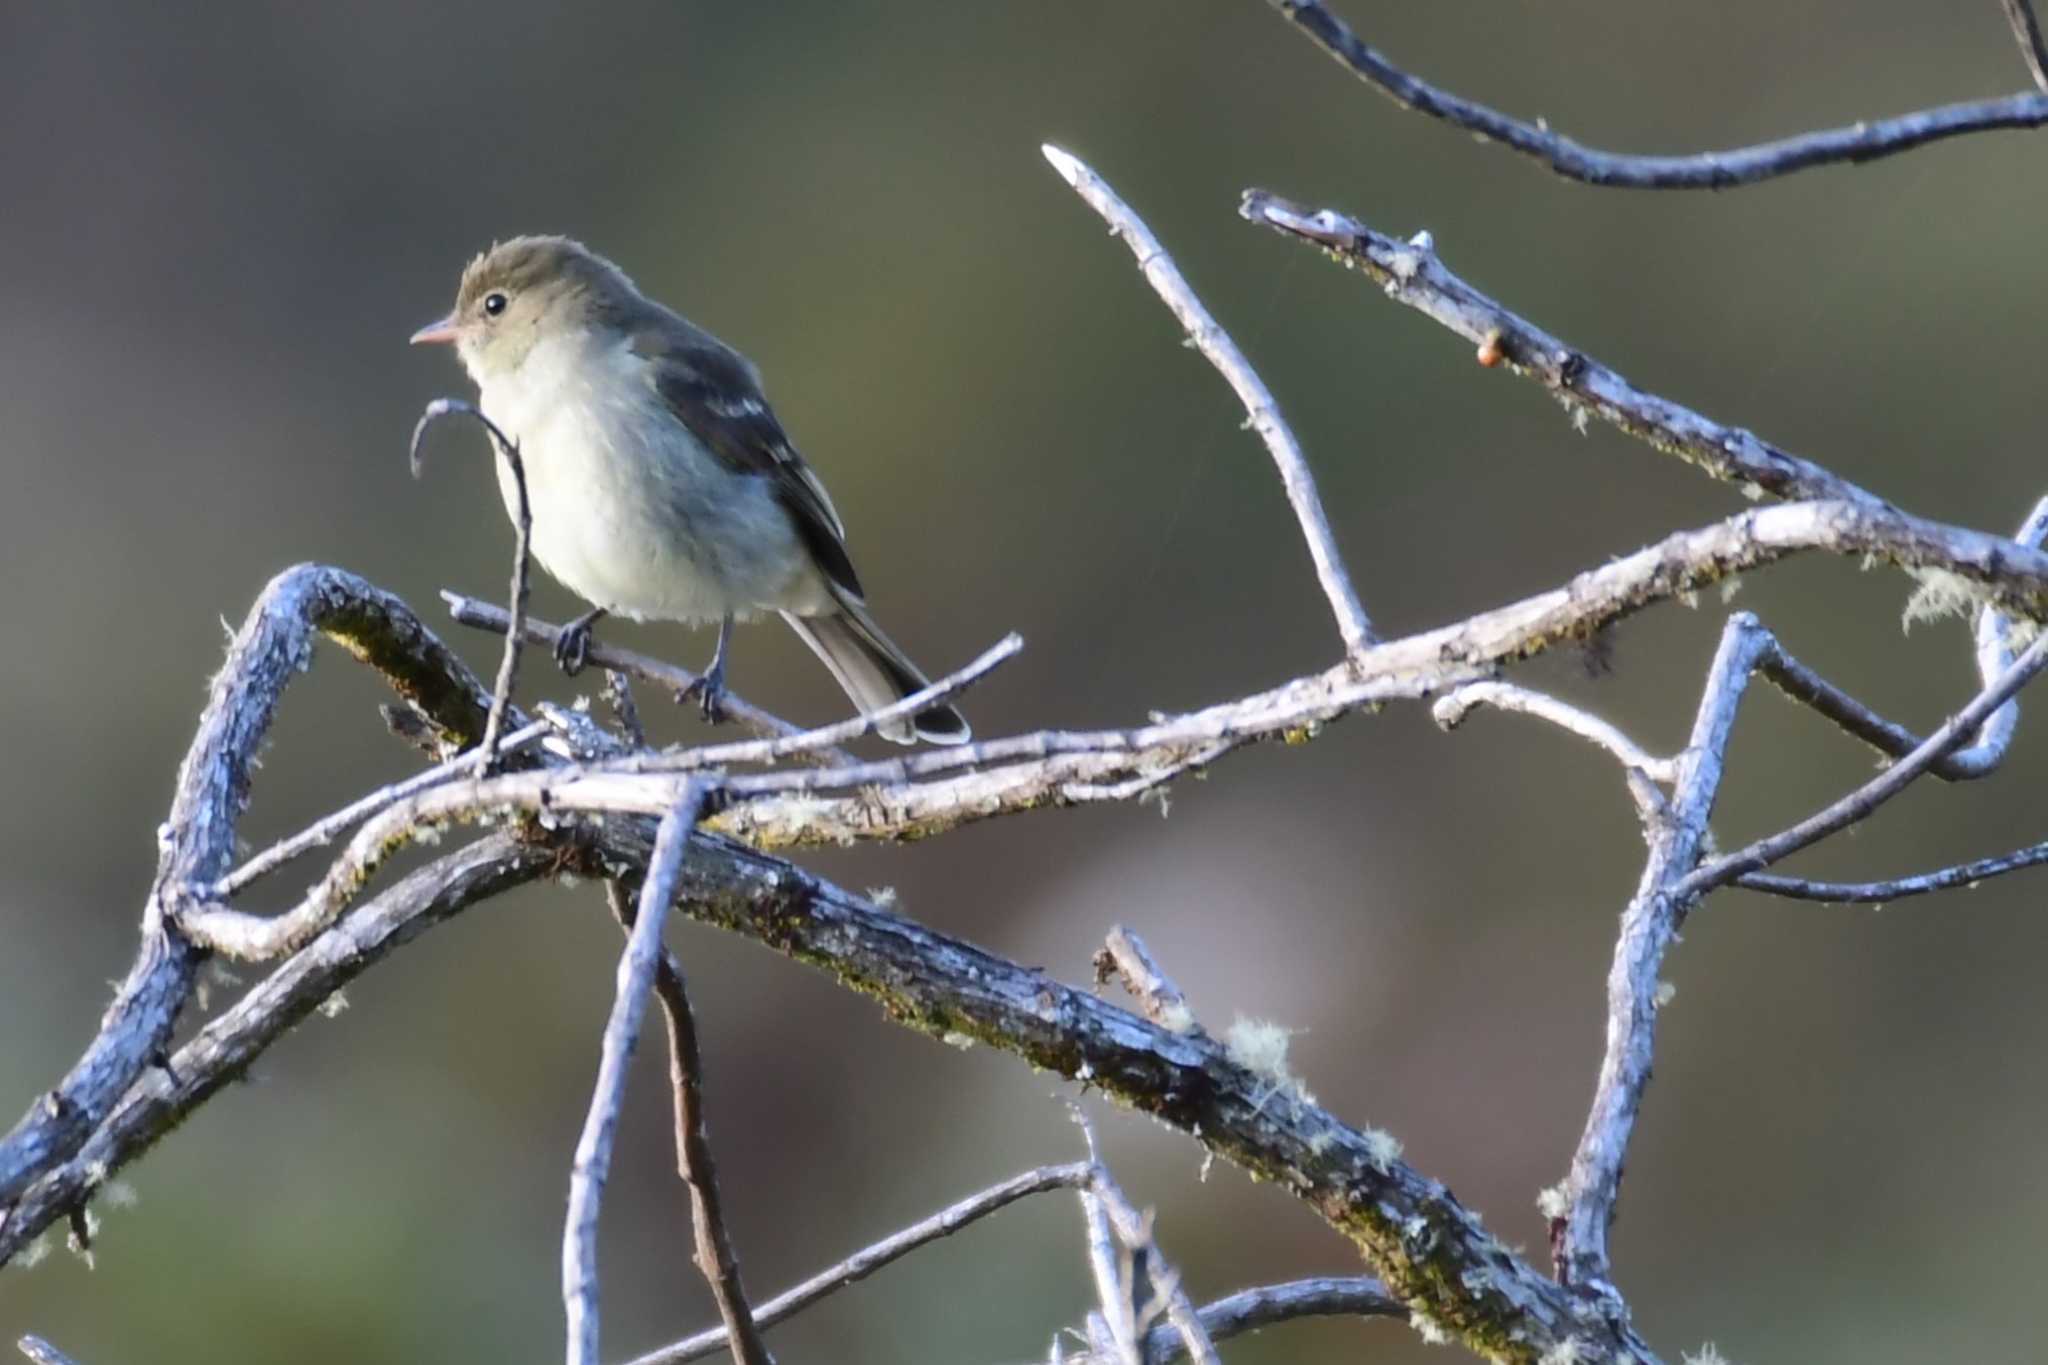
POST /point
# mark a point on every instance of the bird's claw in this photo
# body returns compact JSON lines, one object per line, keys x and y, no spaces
{"x":572,"y":647}
{"x":709,"y":692}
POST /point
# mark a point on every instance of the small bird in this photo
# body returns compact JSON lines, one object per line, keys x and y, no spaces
{"x":661,"y":485}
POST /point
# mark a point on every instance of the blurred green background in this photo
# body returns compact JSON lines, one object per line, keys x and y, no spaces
{"x":219,"y":226}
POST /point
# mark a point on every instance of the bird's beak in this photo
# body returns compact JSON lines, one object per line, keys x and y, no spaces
{"x":437,"y":333}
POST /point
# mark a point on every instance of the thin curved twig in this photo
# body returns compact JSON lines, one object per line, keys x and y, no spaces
{"x":868,"y":1260}
{"x":1859,"y":142}
{"x":482,"y":615}
{"x":1219,"y":350}
{"x":829,"y":737}
{"x":1897,"y":888}
{"x":1451,"y":710}
{"x":328,"y":828}
{"x":522,"y":556}
{"x":1867,"y":798}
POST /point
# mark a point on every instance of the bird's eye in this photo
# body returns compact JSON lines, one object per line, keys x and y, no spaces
{"x":494,"y":304}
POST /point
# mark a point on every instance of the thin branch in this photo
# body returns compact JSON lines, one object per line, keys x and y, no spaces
{"x":1114,"y":1323}
{"x":715,"y":1256}
{"x":470,"y":611}
{"x":1451,"y":710}
{"x":1647,"y":928}
{"x":197,"y":839}
{"x":868,"y":1260}
{"x":594,"y":1148}
{"x":1994,"y":655}
{"x":1865,"y":799}
{"x":163,"y":1096}
{"x":2027,"y":30}
{"x":1899,"y":888}
{"x":1410,"y":272}
{"x":1134,"y":1230}
{"x":1251,"y":1309}
{"x":1126,"y":957}
{"x":829,"y":737}
{"x":522,"y":558}
{"x":327,"y":829}
{"x":1859,"y":142}
{"x":1264,"y":414}
{"x":1433,"y":1253}
{"x":1052,"y":768}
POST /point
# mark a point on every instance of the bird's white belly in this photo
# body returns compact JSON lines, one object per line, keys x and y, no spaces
{"x":632,"y":514}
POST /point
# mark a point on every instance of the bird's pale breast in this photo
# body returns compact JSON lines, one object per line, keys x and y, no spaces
{"x":630,"y":511}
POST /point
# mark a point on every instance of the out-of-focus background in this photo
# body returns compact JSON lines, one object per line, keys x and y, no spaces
{"x":221,"y":223}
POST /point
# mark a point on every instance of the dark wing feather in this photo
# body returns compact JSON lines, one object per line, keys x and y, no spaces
{"x":715,"y":392}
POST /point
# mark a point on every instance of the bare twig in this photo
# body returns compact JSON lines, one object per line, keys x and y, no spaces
{"x":42,"y":1352}
{"x":2027,"y":29}
{"x":1104,"y":1197}
{"x":1113,"y":1325}
{"x":1411,"y":273}
{"x":1216,"y":346}
{"x":1898,"y":888}
{"x":1451,"y":710}
{"x":1251,"y":1309}
{"x":868,"y":1260}
{"x":1994,"y":655}
{"x":1647,"y":928}
{"x":522,"y":522}
{"x":197,"y":839}
{"x":470,"y":611}
{"x":1432,"y":1252}
{"x":714,"y":1250}
{"x":829,"y":737}
{"x":1701,"y":170}
{"x":1867,"y":798}
{"x":1673,"y":881}
{"x":223,"y":1049}
{"x":327,"y":829}
{"x":629,"y":1002}
{"x":1125,"y":956}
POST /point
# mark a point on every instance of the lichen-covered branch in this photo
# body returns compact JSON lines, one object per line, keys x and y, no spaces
{"x":161,"y":1097}
{"x":197,"y":838}
{"x":1579,"y":1235}
{"x":1410,"y":272}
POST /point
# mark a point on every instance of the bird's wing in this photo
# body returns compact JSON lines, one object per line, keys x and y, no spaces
{"x":715,"y":392}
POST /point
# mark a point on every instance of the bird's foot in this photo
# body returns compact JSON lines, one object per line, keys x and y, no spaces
{"x":709,"y":693}
{"x":572,"y":646}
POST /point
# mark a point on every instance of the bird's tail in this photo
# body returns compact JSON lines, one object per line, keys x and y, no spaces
{"x":875,"y":673}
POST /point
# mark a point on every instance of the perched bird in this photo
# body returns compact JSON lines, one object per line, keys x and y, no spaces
{"x":661,"y":486}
